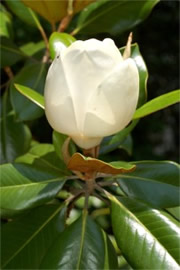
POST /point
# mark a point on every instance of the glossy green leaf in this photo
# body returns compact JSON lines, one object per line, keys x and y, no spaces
{"x":34,"y":96}
{"x":80,"y":246}
{"x":113,"y":17}
{"x":5,"y":24}
{"x":21,"y":11}
{"x":59,"y":40}
{"x":26,"y":240}
{"x":148,"y":238}
{"x":32,"y":76}
{"x":43,"y":163}
{"x":143,"y":72}
{"x":14,"y":140}
{"x":58,"y":141}
{"x":112,"y":142}
{"x":175,"y":212}
{"x":154,"y":182}
{"x":10,"y":53}
{"x":157,"y":104}
{"x":34,"y":179}
{"x":110,"y":259}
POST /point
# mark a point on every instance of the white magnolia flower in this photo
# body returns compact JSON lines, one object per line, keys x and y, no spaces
{"x":91,"y":91}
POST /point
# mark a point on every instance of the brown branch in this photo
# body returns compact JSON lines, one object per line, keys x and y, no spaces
{"x":9,"y":72}
{"x":64,"y":23}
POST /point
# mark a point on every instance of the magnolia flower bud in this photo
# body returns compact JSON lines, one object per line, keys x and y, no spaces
{"x":90,"y":91}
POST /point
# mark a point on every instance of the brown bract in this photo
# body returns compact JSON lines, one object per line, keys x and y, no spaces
{"x":55,"y":10}
{"x":88,"y":165}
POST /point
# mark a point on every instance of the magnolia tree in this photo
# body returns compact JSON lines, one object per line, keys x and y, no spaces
{"x":63,"y":206}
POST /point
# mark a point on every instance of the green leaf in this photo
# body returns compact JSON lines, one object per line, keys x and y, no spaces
{"x":32,"y":48}
{"x":157,"y":104}
{"x":10,"y":53}
{"x":175,"y":212}
{"x":112,"y":142}
{"x":5,"y":24}
{"x":127,"y":145}
{"x":59,"y":40}
{"x":58,"y":141}
{"x":25,"y":240}
{"x":156,"y":183}
{"x":14,"y":140}
{"x":113,"y":17}
{"x":110,"y":259}
{"x":31,"y":76}
{"x":148,"y":238}
{"x":31,"y":94}
{"x":80,"y":246}
{"x":21,"y":11}
{"x":143,"y":72}
{"x":43,"y":160}
{"x":35,"y":179}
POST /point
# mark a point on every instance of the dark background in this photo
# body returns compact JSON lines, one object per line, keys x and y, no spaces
{"x":157,"y":136}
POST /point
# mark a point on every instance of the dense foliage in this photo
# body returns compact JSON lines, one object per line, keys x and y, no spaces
{"x":111,"y":207}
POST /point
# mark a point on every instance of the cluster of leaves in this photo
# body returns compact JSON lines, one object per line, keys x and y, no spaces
{"x":131,"y":218}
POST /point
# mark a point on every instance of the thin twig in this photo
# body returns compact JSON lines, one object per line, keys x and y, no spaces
{"x":9,"y":72}
{"x":4,"y":84}
{"x":108,"y":183}
{"x":45,"y":58}
{"x":39,"y":26}
{"x":64,"y":23}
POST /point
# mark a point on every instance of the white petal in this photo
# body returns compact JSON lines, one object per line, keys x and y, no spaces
{"x":86,"y":65}
{"x":114,"y":102}
{"x":58,"y":102}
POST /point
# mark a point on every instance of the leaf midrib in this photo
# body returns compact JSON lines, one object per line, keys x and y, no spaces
{"x":99,"y":15}
{"x":140,"y":223}
{"x":33,"y":235}
{"x":84,"y":219}
{"x":34,"y":183}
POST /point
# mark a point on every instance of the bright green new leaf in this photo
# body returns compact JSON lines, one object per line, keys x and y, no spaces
{"x":33,"y":180}
{"x":58,"y":141}
{"x":31,"y":235}
{"x":32,"y":48}
{"x":31,"y":76}
{"x":31,"y":94}
{"x":5,"y":24}
{"x":21,"y":11}
{"x":157,"y":104}
{"x":59,"y":40}
{"x":113,"y":17}
{"x":148,"y":238}
{"x":154,"y":182}
{"x":43,"y":161}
